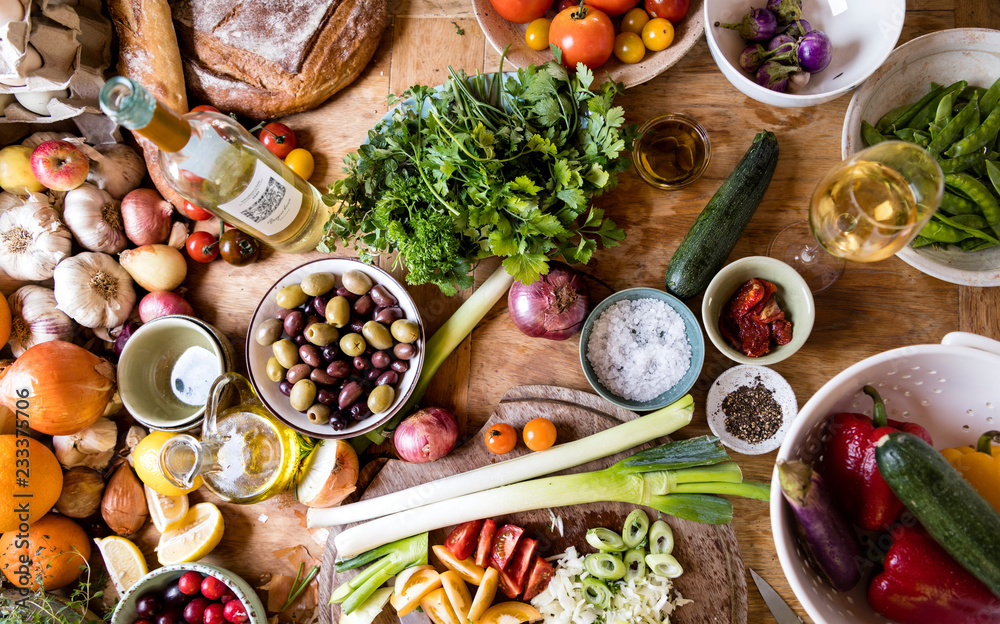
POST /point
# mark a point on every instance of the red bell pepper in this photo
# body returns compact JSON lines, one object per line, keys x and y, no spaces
{"x":849,"y":469}
{"x":922,"y":584}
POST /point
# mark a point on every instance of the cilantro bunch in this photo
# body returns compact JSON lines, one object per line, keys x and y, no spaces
{"x":483,"y":166}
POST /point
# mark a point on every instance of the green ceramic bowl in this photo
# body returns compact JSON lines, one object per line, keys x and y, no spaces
{"x":793,"y":295}
{"x":694,"y":337}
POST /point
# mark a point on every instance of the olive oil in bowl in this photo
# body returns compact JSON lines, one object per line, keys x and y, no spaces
{"x":671,"y":151}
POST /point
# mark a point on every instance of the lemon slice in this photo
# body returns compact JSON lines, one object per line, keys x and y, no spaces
{"x":167,"y":512}
{"x":198,"y":534}
{"x":124,"y":561}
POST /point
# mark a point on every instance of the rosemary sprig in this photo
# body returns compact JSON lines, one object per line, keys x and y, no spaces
{"x":297,"y":588}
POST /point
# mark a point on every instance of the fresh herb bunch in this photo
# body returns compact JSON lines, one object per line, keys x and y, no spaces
{"x":487,"y":165}
{"x":38,"y":607}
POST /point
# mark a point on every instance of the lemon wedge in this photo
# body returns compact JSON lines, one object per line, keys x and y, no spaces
{"x":124,"y":561}
{"x":166,"y":512}
{"x":197,"y":535}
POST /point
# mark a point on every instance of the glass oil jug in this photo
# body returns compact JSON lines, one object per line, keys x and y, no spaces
{"x":244,"y":455}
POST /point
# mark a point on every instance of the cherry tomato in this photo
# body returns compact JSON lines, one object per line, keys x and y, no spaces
{"x":634,"y":20}
{"x":539,"y":434}
{"x":196,"y":212}
{"x":629,"y":47}
{"x":501,"y":438}
{"x":202,"y":247}
{"x":565,"y":4}
{"x":278,"y":138}
{"x":521,"y":11}
{"x":612,"y":7}
{"x":657,"y":34}
{"x":537,"y":35}
{"x":672,"y":10}
{"x":585,"y":35}
{"x":301,"y":162}
{"x":237,"y":248}
{"x":206,"y":108}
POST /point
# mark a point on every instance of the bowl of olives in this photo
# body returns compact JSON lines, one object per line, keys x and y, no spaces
{"x":335,"y":348}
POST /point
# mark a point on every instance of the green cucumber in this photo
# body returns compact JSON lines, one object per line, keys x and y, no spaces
{"x":714,"y":234}
{"x":955,"y":515}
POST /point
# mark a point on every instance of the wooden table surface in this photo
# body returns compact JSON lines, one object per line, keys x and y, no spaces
{"x":872,"y":308}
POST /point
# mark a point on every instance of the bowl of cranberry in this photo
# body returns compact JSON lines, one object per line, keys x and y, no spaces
{"x":758,"y":310}
{"x":190,"y":593}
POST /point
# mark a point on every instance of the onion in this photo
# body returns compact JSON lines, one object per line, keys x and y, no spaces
{"x":163,"y":303}
{"x":146,"y":216}
{"x":154,"y":267}
{"x":553,"y":307}
{"x":126,"y":332}
{"x":328,"y":475}
{"x":426,"y":436}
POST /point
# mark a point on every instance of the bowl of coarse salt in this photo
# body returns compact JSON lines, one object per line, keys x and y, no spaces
{"x":641,"y":349}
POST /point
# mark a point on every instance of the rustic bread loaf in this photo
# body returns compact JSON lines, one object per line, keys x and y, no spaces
{"x":267,"y":58}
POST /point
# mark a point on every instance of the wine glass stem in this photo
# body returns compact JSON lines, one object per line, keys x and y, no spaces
{"x":808,"y":255}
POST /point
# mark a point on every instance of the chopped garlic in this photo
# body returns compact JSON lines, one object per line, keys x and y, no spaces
{"x":555,"y":523}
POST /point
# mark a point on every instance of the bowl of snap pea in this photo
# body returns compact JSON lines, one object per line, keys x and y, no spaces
{"x":942,"y":92}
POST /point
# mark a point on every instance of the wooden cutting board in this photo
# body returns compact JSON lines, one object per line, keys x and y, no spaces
{"x":713,"y":577}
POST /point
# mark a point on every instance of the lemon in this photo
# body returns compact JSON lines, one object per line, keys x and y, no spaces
{"x":166,"y":512}
{"x":146,"y":458}
{"x":198,"y":534}
{"x":124,"y":561}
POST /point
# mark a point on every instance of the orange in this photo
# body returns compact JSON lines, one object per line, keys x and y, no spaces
{"x":5,"y":321}
{"x":53,"y":551}
{"x":30,"y":481}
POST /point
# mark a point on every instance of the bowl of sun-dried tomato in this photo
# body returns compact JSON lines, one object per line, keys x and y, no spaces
{"x":758,"y":310}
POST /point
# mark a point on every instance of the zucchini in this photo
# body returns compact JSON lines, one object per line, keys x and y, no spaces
{"x":714,"y":234}
{"x":955,"y":515}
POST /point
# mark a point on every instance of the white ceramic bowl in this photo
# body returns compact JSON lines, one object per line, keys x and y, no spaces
{"x":257,"y":355}
{"x":949,"y":388}
{"x":942,"y":57}
{"x":862,"y":37}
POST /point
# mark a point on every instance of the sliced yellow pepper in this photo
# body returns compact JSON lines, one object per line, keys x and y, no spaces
{"x":980,"y":466}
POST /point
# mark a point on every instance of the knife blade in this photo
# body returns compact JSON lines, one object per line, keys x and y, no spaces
{"x":779,"y":608}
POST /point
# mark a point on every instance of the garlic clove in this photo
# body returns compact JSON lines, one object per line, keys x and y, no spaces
{"x":178,"y":235}
{"x":92,"y":447}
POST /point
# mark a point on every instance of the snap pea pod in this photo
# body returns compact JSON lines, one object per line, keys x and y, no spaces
{"x":913,"y":136}
{"x":926,"y":113}
{"x":961,"y":163}
{"x":904,"y":117}
{"x":943,"y":114}
{"x":968,"y":92}
{"x":870,"y":135}
{"x":970,"y":231}
{"x":953,"y":204}
{"x":975,"y":221}
{"x":975,"y":244}
{"x":993,"y":172}
{"x":921,"y":241}
{"x":954,"y":129}
{"x":977,"y":192}
{"x":986,"y":132}
{"x":937,"y":232}
{"x":989,"y":99}
{"x":889,"y":120}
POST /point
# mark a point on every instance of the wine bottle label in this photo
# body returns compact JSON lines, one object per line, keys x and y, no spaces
{"x":269,"y":203}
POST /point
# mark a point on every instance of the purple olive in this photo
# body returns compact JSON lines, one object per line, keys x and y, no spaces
{"x":400,"y":366}
{"x":357,"y":325}
{"x":381,"y":359}
{"x":320,"y":376}
{"x":349,"y":394}
{"x":389,"y":377}
{"x":388,"y":315}
{"x":326,"y":396}
{"x":329,"y":353}
{"x":319,"y":305}
{"x":372,"y":374}
{"x":360,"y":411}
{"x":339,"y":369}
{"x":310,"y":355}
{"x":381,"y":296}
{"x":294,"y":323}
{"x":404,"y":351}
{"x":311,"y":320}
{"x":361,"y":363}
{"x":338,"y":421}
{"x":300,"y":340}
{"x":282,"y":313}
{"x":343,"y":292}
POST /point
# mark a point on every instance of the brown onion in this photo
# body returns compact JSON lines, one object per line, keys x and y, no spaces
{"x":426,"y":436}
{"x":146,"y":216}
{"x":553,"y":307}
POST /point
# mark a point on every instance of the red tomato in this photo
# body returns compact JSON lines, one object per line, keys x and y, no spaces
{"x":508,"y":585}
{"x":278,"y":138}
{"x":504,"y":545}
{"x":671,"y":10}
{"x":613,"y":7}
{"x":539,"y":579}
{"x":196,"y":212}
{"x":205,"y":107}
{"x":462,"y":539}
{"x":521,"y":561}
{"x":588,"y":38}
{"x":486,"y":535}
{"x":202,"y":247}
{"x":521,"y":11}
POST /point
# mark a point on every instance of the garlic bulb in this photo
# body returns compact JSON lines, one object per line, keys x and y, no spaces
{"x":115,"y":168}
{"x":35,"y":319}
{"x":94,"y":290}
{"x":32,"y":241}
{"x":92,"y":447}
{"x":10,"y":200}
{"x":95,"y":219}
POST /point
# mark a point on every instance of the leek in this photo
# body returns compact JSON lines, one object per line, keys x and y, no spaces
{"x":635,"y":528}
{"x":661,"y":538}
{"x":389,"y":560}
{"x":596,"y":592}
{"x":604,"y":566}
{"x":635,"y":564}
{"x":605,"y":540}
{"x":608,"y":442}
{"x":664,"y":565}
{"x":651,"y":478}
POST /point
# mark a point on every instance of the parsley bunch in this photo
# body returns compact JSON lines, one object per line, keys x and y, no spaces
{"x":482,"y":166}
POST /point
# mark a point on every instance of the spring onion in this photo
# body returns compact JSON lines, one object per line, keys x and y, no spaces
{"x":596,"y":592}
{"x":635,"y":528}
{"x":605,"y":540}
{"x":392,"y":558}
{"x":661,"y":538}
{"x":664,"y":565}
{"x":604,"y":566}
{"x":670,"y":478}
{"x":635,"y":564}
{"x":608,"y":442}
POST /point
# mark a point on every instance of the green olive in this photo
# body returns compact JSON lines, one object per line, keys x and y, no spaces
{"x":377,"y":335}
{"x":318,"y":414}
{"x":291,"y":296}
{"x":275,"y":371}
{"x":381,"y":398}
{"x":318,"y":283}
{"x":357,"y":282}
{"x":322,"y":334}
{"x":286,"y":352}
{"x":303,"y":394}
{"x":353,"y":344}
{"x":338,"y":311}
{"x":269,"y":332}
{"x":405,"y":330}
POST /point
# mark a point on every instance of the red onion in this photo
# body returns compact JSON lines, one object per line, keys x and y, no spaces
{"x":426,"y":436}
{"x":162,"y":303}
{"x":146,"y":216}
{"x":553,"y":307}
{"x":127,"y":330}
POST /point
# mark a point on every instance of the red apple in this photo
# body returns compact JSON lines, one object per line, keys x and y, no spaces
{"x":59,"y":165}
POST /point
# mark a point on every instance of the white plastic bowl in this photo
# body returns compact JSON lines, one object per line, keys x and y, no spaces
{"x":949,"y":388}
{"x":862,"y":36}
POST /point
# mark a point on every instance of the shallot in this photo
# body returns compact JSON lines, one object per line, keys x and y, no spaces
{"x":154,"y":267}
{"x":163,"y":303}
{"x":146,"y":216}
{"x":553,"y":307}
{"x":427,"y":435}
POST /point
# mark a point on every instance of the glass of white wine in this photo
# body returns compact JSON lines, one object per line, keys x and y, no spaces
{"x":864,"y":210}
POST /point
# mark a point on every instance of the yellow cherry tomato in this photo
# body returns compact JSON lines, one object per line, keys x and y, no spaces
{"x":539,"y":434}
{"x":634,"y":20}
{"x":629,"y":47}
{"x":537,"y":35}
{"x":657,"y":34}
{"x":301,"y":162}
{"x":500,"y":438}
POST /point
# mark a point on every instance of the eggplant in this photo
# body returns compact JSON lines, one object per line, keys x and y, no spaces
{"x":814,"y":52}
{"x":787,"y":11}
{"x":798,"y":81}
{"x":774,"y":75}
{"x":798,"y":28}
{"x":756,"y":25}
{"x":783,"y":41}
{"x":826,"y":534}
{"x":752,"y":57}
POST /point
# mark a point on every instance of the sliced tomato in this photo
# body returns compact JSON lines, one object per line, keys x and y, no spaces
{"x":541,"y":574}
{"x":486,"y":535}
{"x":520,"y":563}
{"x":462,"y":539}
{"x":510,"y":611}
{"x":504,"y":545}
{"x":509,"y":585}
